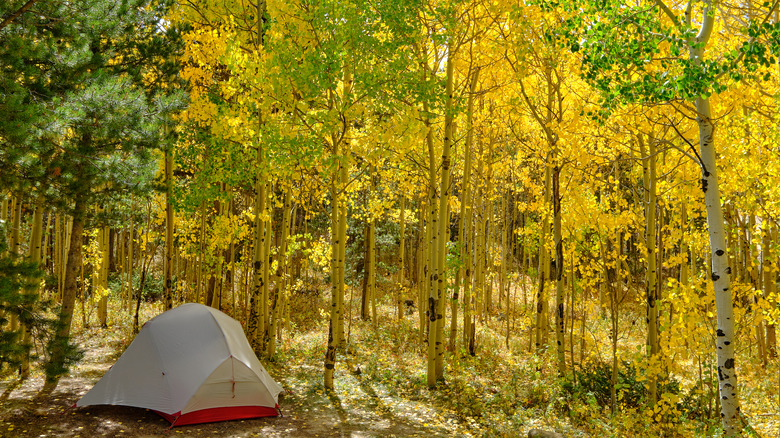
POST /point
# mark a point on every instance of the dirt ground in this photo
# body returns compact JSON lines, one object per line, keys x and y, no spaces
{"x":307,"y":412}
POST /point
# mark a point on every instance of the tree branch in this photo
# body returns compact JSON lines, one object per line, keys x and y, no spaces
{"x":16,"y":14}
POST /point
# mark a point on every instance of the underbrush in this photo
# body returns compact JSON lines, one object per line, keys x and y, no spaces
{"x":380,"y":376}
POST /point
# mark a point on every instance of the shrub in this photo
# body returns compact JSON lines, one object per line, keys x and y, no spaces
{"x":595,"y":380}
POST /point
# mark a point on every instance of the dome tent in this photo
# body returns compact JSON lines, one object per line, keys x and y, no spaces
{"x":192,"y":364}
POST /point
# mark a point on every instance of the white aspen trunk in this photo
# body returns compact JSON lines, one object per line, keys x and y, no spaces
{"x":464,"y":236}
{"x":280,"y":286}
{"x":330,"y":352}
{"x":423,"y":258}
{"x":256,"y":320}
{"x":336,"y":337}
{"x":649,"y":183}
{"x":444,"y":217}
{"x":721,"y":274}
{"x":432,"y":232}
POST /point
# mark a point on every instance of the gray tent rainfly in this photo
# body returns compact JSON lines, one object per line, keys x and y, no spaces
{"x":192,"y":364}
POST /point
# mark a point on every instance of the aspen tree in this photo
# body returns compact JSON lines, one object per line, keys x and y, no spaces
{"x":267,"y":238}
{"x":169,"y":225}
{"x":488,"y":243}
{"x":755,"y":279}
{"x":432,"y":234}
{"x":401,"y":253}
{"x":70,"y":287}
{"x":693,"y":79}
{"x":503,"y":230}
{"x":650,"y":205}
{"x":559,"y":298}
{"x":102,"y":284}
{"x":280,"y":286}
{"x":371,"y":243}
{"x":35,"y":257}
{"x":424,"y":259}
{"x":544,"y":268}
{"x":256,"y":321}
{"x":444,"y":217}
{"x":769,"y":284}
{"x":465,"y":228}
{"x":721,"y":275}
{"x":336,"y":337}
{"x":130,"y":263}
{"x":615,"y":299}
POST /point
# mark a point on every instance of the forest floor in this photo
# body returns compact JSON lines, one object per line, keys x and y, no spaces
{"x":361,"y":405}
{"x":380,"y":388}
{"x":354,"y":409}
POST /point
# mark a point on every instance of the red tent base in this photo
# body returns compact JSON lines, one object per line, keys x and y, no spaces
{"x":219,"y":414}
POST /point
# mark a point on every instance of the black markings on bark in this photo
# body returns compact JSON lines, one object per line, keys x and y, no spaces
{"x":715,"y":277}
{"x":720,"y":374}
{"x":727,"y":343}
{"x":720,"y":332}
{"x":432,"y":309}
{"x":729,"y":363}
{"x":719,"y":252}
{"x":704,"y":185}
{"x":728,"y":270}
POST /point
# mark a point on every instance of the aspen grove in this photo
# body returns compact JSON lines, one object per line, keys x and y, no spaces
{"x":467,"y":217}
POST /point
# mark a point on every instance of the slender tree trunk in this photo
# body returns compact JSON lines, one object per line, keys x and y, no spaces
{"x":256,"y":321}
{"x":721,"y":275}
{"x":488,"y":235}
{"x":433,"y":234}
{"x":649,"y":163}
{"x":399,"y":301}
{"x":35,"y":256}
{"x":769,"y":284}
{"x":559,"y":298}
{"x":336,"y":338}
{"x":169,"y":224}
{"x":58,"y":354}
{"x":330,"y":353}
{"x":279,"y":287}
{"x":130,"y":263}
{"x":462,"y":223}
{"x":544,"y":270}
{"x":444,"y":216}
{"x":423,"y":257}
{"x":102,"y":285}
{"x":614,"y":302}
